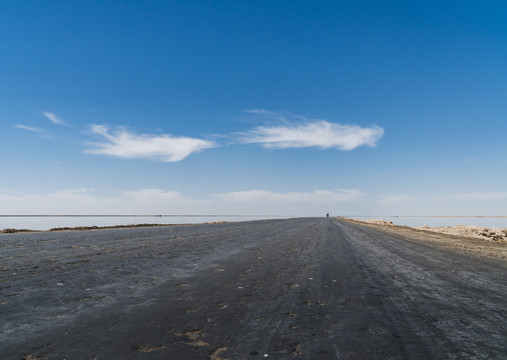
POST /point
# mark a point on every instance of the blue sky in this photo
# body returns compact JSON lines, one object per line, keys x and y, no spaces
{"x":253,"y":107}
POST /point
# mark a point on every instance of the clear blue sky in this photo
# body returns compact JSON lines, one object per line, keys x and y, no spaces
{"x":271,"y":107}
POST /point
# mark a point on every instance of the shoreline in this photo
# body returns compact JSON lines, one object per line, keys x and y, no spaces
{"x":15,"y":224}
{"x":493,"y":233}
{"x":107,"y":227}
{"x":82,"y":228}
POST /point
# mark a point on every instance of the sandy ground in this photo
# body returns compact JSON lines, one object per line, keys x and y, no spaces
{"x":468,"y":240}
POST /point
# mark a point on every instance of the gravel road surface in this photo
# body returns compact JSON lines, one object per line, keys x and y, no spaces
{"x":309,"y":288}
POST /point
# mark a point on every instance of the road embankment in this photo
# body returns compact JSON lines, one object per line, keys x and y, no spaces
{"x":462,"y":239}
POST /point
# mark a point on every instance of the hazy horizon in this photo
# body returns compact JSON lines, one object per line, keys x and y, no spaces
{"x":46,"y":222}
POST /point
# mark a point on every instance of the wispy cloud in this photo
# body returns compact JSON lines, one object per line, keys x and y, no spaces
{"x":29,"y":128}
{"x":146,"y":195}
{"x":269,"y":115}
{"x":469,"y":197}
{"x":309,"y":133}
{"x":481,"y":196}
{"x":396,"y":199}
{"x":166,"y":148}
{"x":54,"y":119}
{"x":316,"y":196}
{"x":87,"y":201}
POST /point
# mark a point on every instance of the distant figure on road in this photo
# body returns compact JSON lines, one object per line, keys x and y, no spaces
{"x":327,"y":215}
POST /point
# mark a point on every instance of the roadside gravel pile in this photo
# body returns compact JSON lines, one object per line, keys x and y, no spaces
{"x":471,"y":231}
{"x":375,"y":221}
{"x":471,"y":241}
{"x":478,"y":232}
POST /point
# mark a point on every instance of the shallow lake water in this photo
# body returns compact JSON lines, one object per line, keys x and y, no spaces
{"x":49,"y":222}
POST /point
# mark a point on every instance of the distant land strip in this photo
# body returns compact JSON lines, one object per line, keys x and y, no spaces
{"x":143,"y":215}
{"x":241,"y":215}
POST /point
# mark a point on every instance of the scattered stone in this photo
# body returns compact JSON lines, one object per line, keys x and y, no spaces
{"x":478,"y":232}
{"x":215,"y":355}
{"x":148,"y":349}
{"x":376,"y":221}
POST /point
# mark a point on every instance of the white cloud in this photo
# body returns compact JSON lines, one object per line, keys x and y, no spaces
{"x":67,"y":192}
{"x":147,"y":195}
{"x":316,"y":197}
{"x":86,"y":201}
{"x":166,"y":148}
{"x":29,"y":128}
{"x":61,"y":202}
{"x":395,"y":199}
{"x":316,"y":133}
{"x":54,"y":119}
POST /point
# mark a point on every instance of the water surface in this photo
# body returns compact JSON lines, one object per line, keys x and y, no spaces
{"x":39,"y":222}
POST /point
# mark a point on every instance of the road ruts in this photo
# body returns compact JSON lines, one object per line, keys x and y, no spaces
{"x":310,"y":288}
{"x":457,"y":305}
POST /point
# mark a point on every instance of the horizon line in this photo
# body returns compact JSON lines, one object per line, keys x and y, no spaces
{"x":133,"y":215}
{"x":244,"y":215}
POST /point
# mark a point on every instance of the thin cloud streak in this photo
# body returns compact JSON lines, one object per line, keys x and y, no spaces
{"x":28,"y":128}
{"x":85,"y":201}
{"x":316,"y":196}
{"x":318,"y":133}
{"x":165,"y":148}
{"x":471,"y":196}
{"x":481,"y":196}
{"x":396,"y":199}
{"x":267,"y":114}
{"x":54,"y":119}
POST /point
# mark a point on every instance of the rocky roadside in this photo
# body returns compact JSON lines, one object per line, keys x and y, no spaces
{"x":478,"y":232}
{"x":473,"y":241}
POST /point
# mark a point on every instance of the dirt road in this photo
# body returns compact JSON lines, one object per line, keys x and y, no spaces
{"x":310,"y":288}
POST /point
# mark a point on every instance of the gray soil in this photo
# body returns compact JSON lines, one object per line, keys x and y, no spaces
{"x":308,"y":288}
